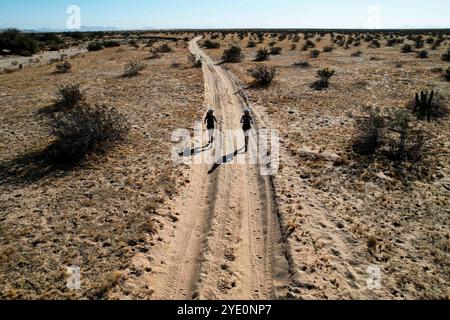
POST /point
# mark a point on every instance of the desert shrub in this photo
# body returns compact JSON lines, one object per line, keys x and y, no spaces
{"x":133,"y":69}
{"x":446,"y":56}
{"x":251,"y":44}
{"x":262,"y":75}
{"x":374,"y":44}
{"x":368,"y":136}
{"x":296,"y":38}
{"x":356,"y":43}
{"x":84,"y":129}
{"x":419,"y":44}
{"x":356,"y":54}
{"x":272,"y":43}
{"x":302,"y":64}
{"x":133,"y":43}
{"x":293,"y":47}
{"x":164,"y":48}
{"x":407,"y":48}
{"x":262,"y":54}
{"x":18,"y":43}
{"x":208,"y":44}
{"x":67,"y":97}
{"x":401,"y":141}
{"x":314,"y":53}
{"x":447,"y":74}
{"x":309,"y":44}
{"x":275,"y":50}
{"x":111,"y":44}
{"x":328,"y":49}
{"x":95,"y":46}
{"x":428,"y":106}
{"x":323,"y":82}
{"x":63,"y":67}
{"x":391,"y":42}
{"x":233,"y":54}
{"x":423,"y":54}
{"x":391,"y":136}
{"x":195,"y":61}
{"x":153,"y":54}
{"x":326,"y":73}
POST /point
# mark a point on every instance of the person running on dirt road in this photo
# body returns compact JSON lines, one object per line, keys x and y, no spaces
{"x":210,"y":121}
{"x":247,"y":122}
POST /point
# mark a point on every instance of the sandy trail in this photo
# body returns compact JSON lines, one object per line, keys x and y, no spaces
{"x":227,"y":243}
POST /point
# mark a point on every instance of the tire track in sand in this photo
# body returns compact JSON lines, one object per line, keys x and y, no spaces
{"x":227,"y":243}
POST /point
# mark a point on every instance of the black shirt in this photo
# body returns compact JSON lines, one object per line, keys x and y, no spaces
{"x":210,"y":120}
{"x":247,"y":122}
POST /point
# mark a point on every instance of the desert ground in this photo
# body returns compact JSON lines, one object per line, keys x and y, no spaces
{"x":143,"y":227}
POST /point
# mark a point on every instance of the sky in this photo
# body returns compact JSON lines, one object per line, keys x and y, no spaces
{"x":169,"y":14}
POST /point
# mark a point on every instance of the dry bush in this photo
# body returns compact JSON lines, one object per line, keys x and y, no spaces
{"x":447,"y":74}
{"x":314,"y":53}
{"x":164,"y":48}
{"x":423,"y":54}
{"x":262,"y":75}
{"x":68,"y":97}
{"x":407,"y":48}
{"x":233,"y":54}
{"x":133,"y":69}
{"x":208,"y":44}
{"x":392,"y":136}
{"x":356,"y":54}
{"x":446,"y":56}
{"x":328,"y":49}
{"x":323,"y":82}
{"x":95,"y":46}
{"x":275,"y":50}
{"x":195,"y":61}
{"x":63,"y":67}
{"x":368,"y":135}
{"x":302,"y":64}
{"x":82,"y":130}
{"x":262,"y":54}
{"x":251,"y":44}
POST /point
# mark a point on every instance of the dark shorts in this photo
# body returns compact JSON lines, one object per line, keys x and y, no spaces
{"x":246,"y":128}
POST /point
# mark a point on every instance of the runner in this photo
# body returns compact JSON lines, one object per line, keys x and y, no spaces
{"x":247,"y":122}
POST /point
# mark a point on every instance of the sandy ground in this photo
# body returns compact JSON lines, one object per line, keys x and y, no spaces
{"x":13,"y":62}
{"x":227,"y":244}
{"x":143,"y":227}
{"x":334,"y":203}
{"x":98,"y":216}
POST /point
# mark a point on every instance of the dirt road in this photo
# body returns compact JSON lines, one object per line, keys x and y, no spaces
{"x":227,"y":242}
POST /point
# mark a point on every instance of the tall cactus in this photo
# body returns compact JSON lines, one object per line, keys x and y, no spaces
{"x":424,"y":105}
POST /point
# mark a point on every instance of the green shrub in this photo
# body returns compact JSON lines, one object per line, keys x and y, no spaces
{"x":251,"y":44}
{"x":18,"y":43}
{"x":95,"y":46}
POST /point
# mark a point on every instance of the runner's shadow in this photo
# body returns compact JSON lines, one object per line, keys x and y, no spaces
{"x":195,"y":151}
{"x":225,"y":159}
